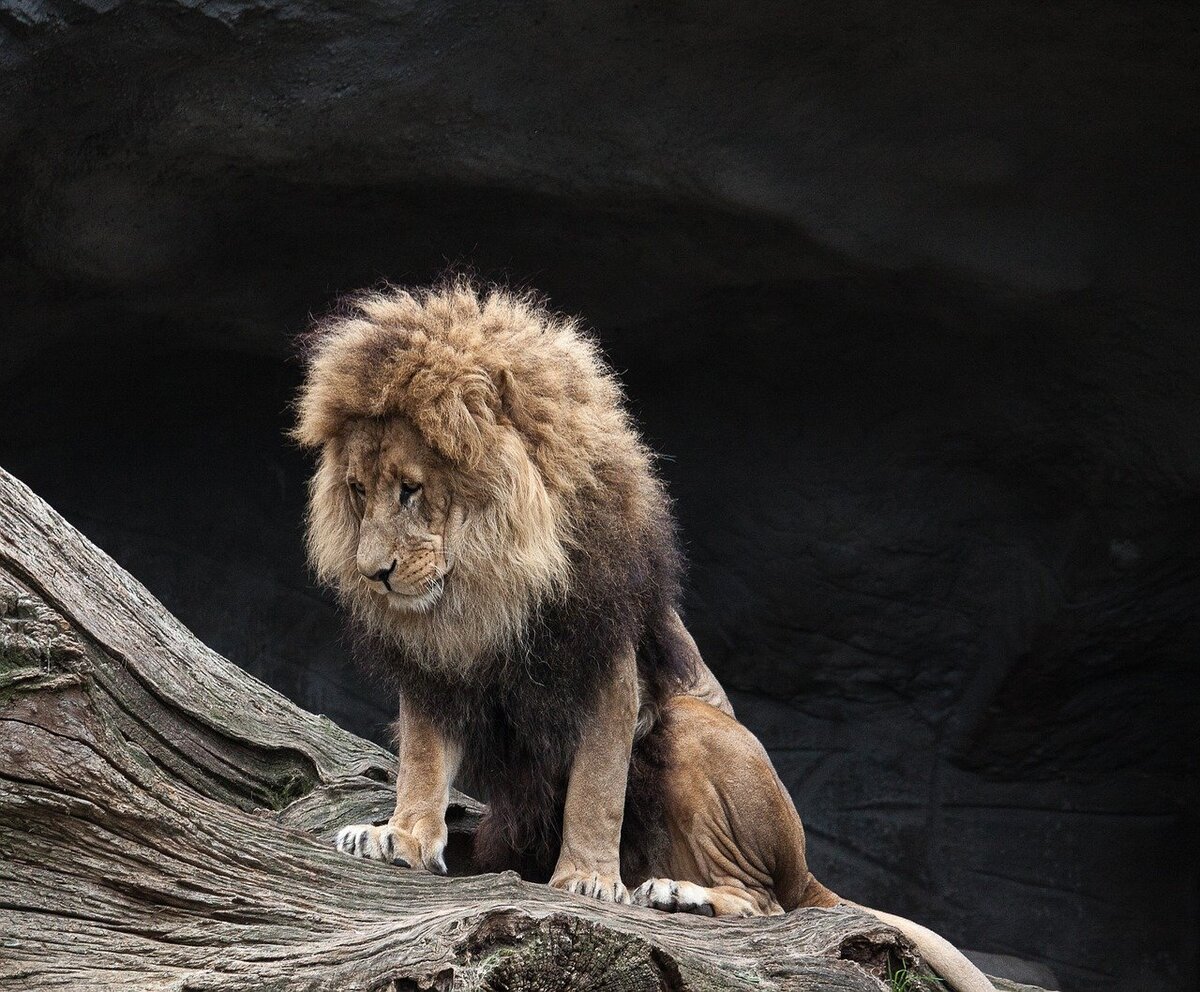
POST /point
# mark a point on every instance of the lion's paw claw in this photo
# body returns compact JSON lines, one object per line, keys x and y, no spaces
{"x":392,"y":845}
{"x":670,"y":896}
{"x":594,"y":885}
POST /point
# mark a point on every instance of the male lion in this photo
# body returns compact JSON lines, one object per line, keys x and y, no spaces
{"x":486,"y":510}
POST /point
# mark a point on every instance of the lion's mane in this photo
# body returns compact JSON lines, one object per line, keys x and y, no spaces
{"x":569,"y":550}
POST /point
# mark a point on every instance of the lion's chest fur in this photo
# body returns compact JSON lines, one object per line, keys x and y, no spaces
{"x":517,"y":716}
{"x":518,"y":727}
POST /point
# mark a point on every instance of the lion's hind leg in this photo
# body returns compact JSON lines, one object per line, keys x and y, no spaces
{"x":734,"y":844}
{"x":671,"y":896}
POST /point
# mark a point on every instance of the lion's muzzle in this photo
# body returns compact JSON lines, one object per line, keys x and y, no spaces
{"x":411,"y":577}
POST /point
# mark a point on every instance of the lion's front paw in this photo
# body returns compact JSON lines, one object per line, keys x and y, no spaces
{"x":595,"y":885}
{"x":415,"y":849}
{"x":674,"y":897}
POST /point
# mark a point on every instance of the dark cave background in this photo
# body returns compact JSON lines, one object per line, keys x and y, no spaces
{"x":904,"y":294}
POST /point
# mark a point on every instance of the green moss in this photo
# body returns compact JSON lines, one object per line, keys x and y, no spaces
{"x":289,"y":787}
{"x":33,"y":636}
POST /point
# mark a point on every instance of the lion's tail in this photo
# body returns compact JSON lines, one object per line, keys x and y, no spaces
{"x":943,"y":957}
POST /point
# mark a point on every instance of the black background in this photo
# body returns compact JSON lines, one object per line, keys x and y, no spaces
{"x":902,"y":293}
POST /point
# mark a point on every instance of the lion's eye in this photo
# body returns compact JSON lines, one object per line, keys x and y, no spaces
{"x":407,"y":491}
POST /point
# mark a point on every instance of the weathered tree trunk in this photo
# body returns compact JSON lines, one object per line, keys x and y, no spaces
{"x":165,"y":823}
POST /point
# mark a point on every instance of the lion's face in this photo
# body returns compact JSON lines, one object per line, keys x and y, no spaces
{"x":400,"y":491}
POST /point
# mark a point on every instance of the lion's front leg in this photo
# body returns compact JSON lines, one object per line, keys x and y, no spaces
{"x":415,"y":836}
{"x":589,"y":863}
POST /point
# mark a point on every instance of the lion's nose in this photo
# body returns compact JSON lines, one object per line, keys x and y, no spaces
{"x":383,"y":574}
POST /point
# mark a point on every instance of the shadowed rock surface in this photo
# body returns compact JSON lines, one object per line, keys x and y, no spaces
{"x":904,"y":296}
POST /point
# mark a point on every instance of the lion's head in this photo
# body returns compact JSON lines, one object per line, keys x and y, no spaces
{"x":461,"y":437}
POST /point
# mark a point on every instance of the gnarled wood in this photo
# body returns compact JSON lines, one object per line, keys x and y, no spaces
{"x":165,"y":822}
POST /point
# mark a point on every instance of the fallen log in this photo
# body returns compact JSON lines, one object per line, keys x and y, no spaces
{"x":165,"y":823}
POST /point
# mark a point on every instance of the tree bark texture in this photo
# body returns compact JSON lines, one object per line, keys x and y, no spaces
{"x":165,"y":823}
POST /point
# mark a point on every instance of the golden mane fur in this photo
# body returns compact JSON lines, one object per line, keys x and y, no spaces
{"x":527,"y":416}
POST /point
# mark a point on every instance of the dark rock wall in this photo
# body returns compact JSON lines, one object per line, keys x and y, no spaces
{"x":903,"y":293}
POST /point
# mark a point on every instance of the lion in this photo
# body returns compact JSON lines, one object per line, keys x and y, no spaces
{"x":491,"y":520}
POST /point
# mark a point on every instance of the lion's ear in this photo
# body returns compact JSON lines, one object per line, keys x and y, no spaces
{"x":461,"y":423}
{"x":457,"y":431}
{"x":506,"y":391}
